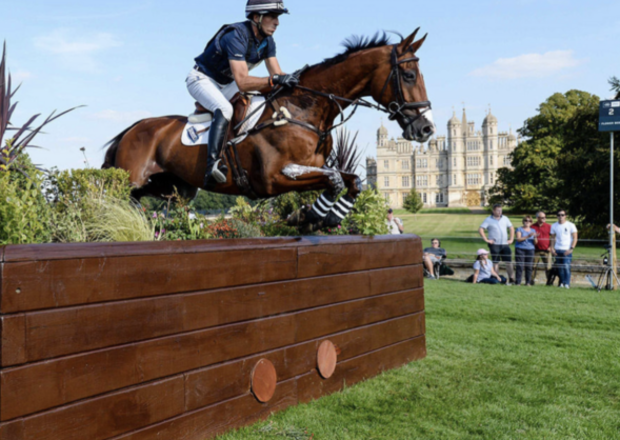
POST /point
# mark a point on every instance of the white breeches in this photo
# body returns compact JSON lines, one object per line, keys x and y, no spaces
{"x":214,"y":96}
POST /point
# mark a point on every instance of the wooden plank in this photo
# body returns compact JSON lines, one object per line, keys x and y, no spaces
{"x":332,"y":259}
{"x":76,"y":251}
{"x":44,"y":385}
{"x":326,"y":320}
{"x":352,"y":371}
{"x":214,"y":384}
{"x":65,"y":331}
{"x":208,"y":422}
{"x":103,"y":417}
{"x":61,"y":283}
{"x":13,"y":340}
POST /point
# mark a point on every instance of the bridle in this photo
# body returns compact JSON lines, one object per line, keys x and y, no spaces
{"x":396,"y":107}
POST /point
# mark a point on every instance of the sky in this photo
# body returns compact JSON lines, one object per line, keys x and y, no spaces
{"x":127,"y":61}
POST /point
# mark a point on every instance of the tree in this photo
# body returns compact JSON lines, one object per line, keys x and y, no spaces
{"x":614,"y":82}
{"x":533,"y":182}
{"x":413,"y":202}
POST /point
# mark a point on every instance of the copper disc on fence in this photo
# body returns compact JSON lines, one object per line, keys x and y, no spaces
{"x":264,"y":380}
{"x":326,"y":359}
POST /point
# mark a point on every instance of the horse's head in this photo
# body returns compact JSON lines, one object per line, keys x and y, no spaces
{"x":399,"y":86}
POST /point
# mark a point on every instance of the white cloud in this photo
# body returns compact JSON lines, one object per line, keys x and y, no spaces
{"x":20,"y":76}
{"x":532,"y":65}
{"x":125,"y":117}
{"x":77,"y":51}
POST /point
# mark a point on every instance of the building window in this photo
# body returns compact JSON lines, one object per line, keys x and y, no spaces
{"x":473,"y":161}
{"x":439,"y":180}
{"x":473,"y":179}
{"x":439,"y":198}
{"x":418,"y":163}
{"x":386,"y":164}
{"x":491,"y":159}
{"x":424,"y":198}
{"x":386,"y":181}
{"x":405,"y":181}
{"x":455,"y":182}
{"x":506,"y":160}
{"x":491,"y":177}
{"x":387,"y":196}
{"x":405,"y":164}
{"x":422,"y":181}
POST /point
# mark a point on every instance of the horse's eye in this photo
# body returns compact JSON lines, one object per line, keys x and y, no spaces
{"x":409,"y":76}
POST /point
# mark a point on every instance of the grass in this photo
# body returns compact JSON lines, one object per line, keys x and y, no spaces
{"x":459,"y":233}
{"x":503,"y":363}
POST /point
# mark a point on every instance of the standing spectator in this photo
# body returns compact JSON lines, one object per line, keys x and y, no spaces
{"x":432,"y":255}
{"x":498,"y":241}
{"x":563,"y":242}
{"x":542,"y":252}
{"x":484,"y":271}
{"x":524,"y":250}
{"x":395,"y":225}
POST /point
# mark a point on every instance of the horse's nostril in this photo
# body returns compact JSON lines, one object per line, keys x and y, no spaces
{"x":428,"y":129}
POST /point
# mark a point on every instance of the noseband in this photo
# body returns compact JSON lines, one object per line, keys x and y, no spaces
{"x":395,"y":108}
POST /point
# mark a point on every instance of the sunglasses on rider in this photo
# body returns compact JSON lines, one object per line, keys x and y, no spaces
{"x":561,"y":215}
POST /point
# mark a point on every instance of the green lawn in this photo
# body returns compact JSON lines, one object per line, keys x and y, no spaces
{"x":459,"y":233}
{"x":503,"y":363}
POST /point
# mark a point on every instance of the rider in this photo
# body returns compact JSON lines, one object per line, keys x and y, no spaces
{"x":223,"y":68}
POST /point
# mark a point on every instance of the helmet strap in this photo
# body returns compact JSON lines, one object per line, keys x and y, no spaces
{"x":259,"y":25}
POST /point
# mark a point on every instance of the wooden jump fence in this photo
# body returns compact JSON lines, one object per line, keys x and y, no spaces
{"x":186,"y":340}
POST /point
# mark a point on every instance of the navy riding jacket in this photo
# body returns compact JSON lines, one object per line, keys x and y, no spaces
{"x":234,"y":42}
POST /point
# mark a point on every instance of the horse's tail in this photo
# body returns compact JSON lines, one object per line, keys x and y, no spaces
{"x":110,"y":154}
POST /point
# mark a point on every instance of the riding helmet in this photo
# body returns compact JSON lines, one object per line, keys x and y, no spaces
{"x":263,"y":7}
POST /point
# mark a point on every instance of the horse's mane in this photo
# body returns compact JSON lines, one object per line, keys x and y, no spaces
{"x":356,"y":43}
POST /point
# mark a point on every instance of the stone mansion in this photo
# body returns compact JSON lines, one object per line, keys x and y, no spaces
{"x":453,"y":171}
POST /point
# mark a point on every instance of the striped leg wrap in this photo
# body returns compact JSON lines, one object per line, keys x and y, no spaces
{"x":339,"y":211}
{"x":343,"y":207}
{"x":323,"y":205}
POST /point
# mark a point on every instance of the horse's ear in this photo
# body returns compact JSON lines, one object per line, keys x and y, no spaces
{"x":404,"y":45}
{"x":418,"y":44}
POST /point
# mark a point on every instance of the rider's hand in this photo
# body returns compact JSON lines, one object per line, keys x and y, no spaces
{"x":285,"y":80}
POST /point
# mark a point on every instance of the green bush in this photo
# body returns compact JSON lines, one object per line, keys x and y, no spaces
{"x":24,"y":212}
{"x":368,"y":216}
{"x":413,"y":203}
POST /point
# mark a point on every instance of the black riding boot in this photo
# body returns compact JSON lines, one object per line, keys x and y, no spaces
{"x":216,"y":173}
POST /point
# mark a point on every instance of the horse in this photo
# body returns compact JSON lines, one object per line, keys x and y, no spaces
{"x":291,"y":148}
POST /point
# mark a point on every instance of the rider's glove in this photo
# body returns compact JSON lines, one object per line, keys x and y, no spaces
{"x":285,"y":80}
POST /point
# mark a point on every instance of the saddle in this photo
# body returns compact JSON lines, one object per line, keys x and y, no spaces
{"x":241,"y":105}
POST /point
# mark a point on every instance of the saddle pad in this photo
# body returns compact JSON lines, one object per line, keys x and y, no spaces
{"x":195,"y":133}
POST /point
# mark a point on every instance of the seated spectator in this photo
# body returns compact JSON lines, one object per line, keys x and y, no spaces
{"x":395,"y":225}
{"x":484,"y":272}
{"x":432,"y":255}
{"x":524,"y":251}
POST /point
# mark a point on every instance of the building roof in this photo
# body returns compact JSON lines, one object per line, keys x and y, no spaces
{"x":454,"y":120}
{"x":382,"y":130}
{"x":490,"y":119}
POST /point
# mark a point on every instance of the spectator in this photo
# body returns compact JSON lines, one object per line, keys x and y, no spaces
{"x":524,"y":251}
{"x":498,"y":241}
{"x":563,"y":242}
{"x":432,"y":255}
{"x":395,"y":225}
{"x":542,"y":252}
{"x":484,"y":271}
{"x":616,"y":228}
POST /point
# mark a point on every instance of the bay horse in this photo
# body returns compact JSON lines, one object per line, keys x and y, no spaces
{"x":297,"y":156}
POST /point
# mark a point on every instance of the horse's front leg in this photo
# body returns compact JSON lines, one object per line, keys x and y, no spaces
{"x":325,"y":203}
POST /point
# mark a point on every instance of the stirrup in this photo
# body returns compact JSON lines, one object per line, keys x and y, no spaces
{"x":217,"y":174}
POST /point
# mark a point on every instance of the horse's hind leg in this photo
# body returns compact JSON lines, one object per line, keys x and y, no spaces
{"x":345,"y":204}
{"x":325,"y":203}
